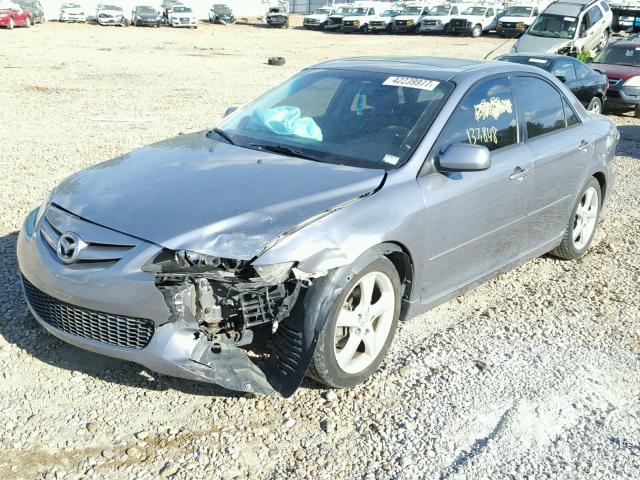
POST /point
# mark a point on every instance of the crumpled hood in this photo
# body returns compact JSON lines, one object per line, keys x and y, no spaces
{"x":198,"y":194}
{"x":317,"y":16}
{"x":533,"y":44}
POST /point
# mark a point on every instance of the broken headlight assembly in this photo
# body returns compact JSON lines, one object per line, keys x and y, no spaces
{"x":226,"y":298}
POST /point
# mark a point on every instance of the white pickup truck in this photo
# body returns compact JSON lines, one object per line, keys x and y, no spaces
{"x":384,"y":21}
{"x":319,"y":18}
{"x":476,"y":19}
{"x":438,"y":18}
{"x":516,"y":19}
{"x":409,"y":18}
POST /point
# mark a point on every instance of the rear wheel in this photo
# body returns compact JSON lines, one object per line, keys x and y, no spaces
{"x":595,"y":105}
{"x":365,"y":29}
{"x":604,"y":40}
{"x":636,"y":111}
{"x":582,"y":224}
{"x":476,"y":31}
{"x":12,"y":23}
{"x":361,"y":326}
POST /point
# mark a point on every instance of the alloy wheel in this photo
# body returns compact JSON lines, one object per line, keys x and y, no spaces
{"x":364,"y":322}
{"x":585,"y":219}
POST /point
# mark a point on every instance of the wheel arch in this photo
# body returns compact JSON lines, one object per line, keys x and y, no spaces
{"x":602,"y":180}
{"x":399,"y":255}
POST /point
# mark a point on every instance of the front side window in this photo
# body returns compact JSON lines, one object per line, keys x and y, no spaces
{"x":486,"y":116}
{"x":594,"y":16}
{"x":541,"y":106}
{"x":337,"y":116}
{"x":564,"y":69}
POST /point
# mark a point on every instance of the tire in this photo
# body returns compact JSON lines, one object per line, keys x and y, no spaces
{"x":12,"y":23}
{"x":27,"y":22}
{"x":476,"y":31}
{"x":334,"y":365}
{"x":276,"y":61}
{"x":636,"y":111}
{"x":586,"y":212}
{"x":604,"y":40}
{"x":595,"y":105}
{"x":365,"y":29}
{"x":286,"y":24}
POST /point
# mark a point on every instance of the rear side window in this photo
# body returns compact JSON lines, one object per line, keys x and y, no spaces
{"x":564,"y":69}
{"x":486,"y":116}
{"x":605,"y":6}
{"x":582,"y":71}
{"x":595,"y":14}
{"x":454,"y":11}
{"x":541,"y":106}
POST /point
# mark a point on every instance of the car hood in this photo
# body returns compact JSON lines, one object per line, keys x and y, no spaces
{"x":407,"y":17}
{"x":147,"y":15}
{"x":616,"y":71}
{"x":111,"y":12}
{"x":72,"y":10}
{"x":533,"y":44}
{"x":214,"y":198}
{"x":317,"y":16}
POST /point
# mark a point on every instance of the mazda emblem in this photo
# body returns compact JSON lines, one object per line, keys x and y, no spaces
{"x":69,"y":246}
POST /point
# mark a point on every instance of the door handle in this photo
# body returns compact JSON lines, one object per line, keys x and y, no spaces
{"x":519,"y":173}
{"x":584,"y":146}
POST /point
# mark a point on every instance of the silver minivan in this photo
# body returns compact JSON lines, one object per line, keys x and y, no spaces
{"x":567,"y":27}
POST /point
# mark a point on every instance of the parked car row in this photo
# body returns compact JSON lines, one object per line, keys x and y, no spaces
{"x":23,"y":13}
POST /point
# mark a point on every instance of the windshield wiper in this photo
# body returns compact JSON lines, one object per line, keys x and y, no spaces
{"x":223,"y":134}
{"x":284,"y":150}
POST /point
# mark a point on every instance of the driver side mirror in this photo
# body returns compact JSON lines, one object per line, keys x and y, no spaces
{"x":562,"y":78}
{"x":229,"y":111}
{"x":464,"y":157}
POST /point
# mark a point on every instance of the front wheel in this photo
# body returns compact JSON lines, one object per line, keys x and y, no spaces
{"x":12,"y":23}
{"x":365,"y":29}
{"x":476,"y":31}
{"x":595,"y":105}
{"x":360,"y":328}
{"x":582,"y":224}
{"x":27,"y":22}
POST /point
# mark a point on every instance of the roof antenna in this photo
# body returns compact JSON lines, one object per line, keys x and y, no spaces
{"x":499,"y":46}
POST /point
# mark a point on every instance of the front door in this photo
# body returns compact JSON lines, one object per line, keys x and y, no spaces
{"x":475,"y":220}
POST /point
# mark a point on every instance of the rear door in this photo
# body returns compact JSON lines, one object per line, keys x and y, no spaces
{"x":475,"y":220}
{"x":561,"y":147}
{"x":597,"y":24}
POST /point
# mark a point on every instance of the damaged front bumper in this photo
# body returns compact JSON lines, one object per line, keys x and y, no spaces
{"x":193,"y":325}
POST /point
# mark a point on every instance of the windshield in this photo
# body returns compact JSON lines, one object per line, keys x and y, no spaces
{"x":322,"y":11}
{"x":112,"y":7}
{"x":518,"y":12}
{"x":412,"y":11}
{"x":221,"y":9}
{"x":342,"y":11}
{"x":358,"y":11}
{"x":145,"y":10}
{"x":389,"y":13}
{"x":474,"y":11}
{"x":439,"y":10}
{"x":181,"y":9}
{"x":336,"y":116}
{"x":553,"y":26}
{"x":70,"y":5}
{"x":629,"y":56}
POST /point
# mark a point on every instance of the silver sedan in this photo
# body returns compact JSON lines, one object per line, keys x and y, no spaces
{"x":291,"y":239}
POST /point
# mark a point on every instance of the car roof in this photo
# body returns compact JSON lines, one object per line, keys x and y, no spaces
{"x":626,"y":44}
{"x":543,"y":56}
{"x":436,"y":68}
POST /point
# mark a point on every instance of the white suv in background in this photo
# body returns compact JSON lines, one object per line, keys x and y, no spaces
{"x":409,"y":18}
{"x":359,"y":18}
{"x":566,"y":27}
{"x":318,"y":19}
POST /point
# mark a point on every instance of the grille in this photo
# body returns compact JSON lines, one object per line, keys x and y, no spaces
{"x":508,"y":25}
{"x":377,"y":24}
{"x":459,"y":23}
{"x":430,"y":22}
{"x":101,"y":327}
{"x":184,"y":20}
{"x":401,"y":23}
{"x":348,"y":23}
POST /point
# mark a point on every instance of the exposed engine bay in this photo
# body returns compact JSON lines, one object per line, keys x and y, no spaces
{"x":225,"y":302}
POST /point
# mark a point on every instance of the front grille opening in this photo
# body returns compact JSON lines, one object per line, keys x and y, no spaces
{"x":128,"y":332}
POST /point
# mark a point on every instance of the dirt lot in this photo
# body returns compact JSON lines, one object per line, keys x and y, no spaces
{"x":535,"y":374}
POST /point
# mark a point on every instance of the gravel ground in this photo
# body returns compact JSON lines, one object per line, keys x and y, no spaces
{"x":535,"y":374}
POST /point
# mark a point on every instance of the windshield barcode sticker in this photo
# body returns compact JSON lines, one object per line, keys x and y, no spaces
{"x":537,"y":60}
{"x":411,"y":82}
{"x":569,"y":19}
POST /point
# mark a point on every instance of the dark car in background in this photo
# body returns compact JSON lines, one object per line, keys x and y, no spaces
{"x":144,"y":15}
{"x":35,"y":9}
{"x":620,"y":62}
{"x":221,"y":13}
{"x":588,"y":85}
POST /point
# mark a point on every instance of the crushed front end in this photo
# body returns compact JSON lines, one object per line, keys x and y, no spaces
{"x":177,"y":313}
